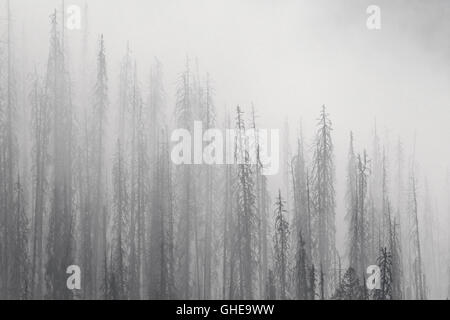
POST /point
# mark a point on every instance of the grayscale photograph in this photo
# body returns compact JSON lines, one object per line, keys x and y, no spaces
{"x":200,"y":150}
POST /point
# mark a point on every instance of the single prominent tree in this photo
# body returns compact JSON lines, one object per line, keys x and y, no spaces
{"x":60,"y":240}
{"x":324,"y":200}
{"x":281,"y":245}
{"x":246,"y":217}
{"x":40,"y":121}
{"x":99,"y":227}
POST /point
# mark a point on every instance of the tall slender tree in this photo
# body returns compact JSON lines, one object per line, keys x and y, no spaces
{"x":60,"y":239}
{"x":281,"y":246}
{"x":246,"y":218}
{"x":323,"y":194}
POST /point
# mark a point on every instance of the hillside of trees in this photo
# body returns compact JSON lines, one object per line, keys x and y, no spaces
{"x":86,"y":179}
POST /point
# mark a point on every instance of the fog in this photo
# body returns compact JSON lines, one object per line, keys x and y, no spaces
{"x":288,"y":59}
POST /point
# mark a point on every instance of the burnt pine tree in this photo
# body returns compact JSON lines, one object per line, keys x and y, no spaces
{"x":271,"y":291}
{"x":167,"y":276}
{"x":281,"y":246}
{"x":362,"y":223}
{"x":312,"y":278}
{"x":384,"y":261}
{"x":246,"y":217}
{"x":120,"y":222}
{"x":323,"y":195}
{"x":352,"y":206}
{"x":21,"y":264}
{"x":229,"y":231}
{"x":60,"y":240}
{"x":40,"y":121}
{"x":357,"y":177}
{"x":184,"y":198}
{"x":416,"y":256}
{"x":161,"y":212}
{"x":210,"y":183}
{"x":350,"y":288}
{"x":262,"y":206}
{"x":99,"y":173}
{"x":137,"y":187}
{"x":301,"y":276}
{"x":302,"y":199}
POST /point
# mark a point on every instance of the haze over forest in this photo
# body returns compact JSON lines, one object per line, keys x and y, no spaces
{"x":86,"y":176}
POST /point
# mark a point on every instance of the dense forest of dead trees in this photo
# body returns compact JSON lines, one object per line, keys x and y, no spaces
{"x":81,"y":187}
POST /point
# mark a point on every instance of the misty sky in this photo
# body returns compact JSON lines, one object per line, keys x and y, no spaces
{"x":288,"y":58}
